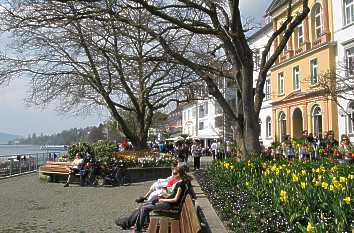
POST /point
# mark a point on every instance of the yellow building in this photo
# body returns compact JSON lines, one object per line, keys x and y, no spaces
{"x":298,"y":101}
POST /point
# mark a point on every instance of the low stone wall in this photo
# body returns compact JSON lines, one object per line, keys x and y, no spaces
{"x":134,"y":174}
{"x":147,"y":174}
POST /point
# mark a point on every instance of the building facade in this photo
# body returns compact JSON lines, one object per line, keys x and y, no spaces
{"x":257,"y":43}
{"x":174,"y":122}
{"x":343,"y":21}
{"x":299,"y":102}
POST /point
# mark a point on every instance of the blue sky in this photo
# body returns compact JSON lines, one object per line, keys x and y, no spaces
{"x":18,"y":118}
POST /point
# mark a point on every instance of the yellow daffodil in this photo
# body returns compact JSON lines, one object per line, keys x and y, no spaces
{"x":334,"y":169}
{"x":303,"y":172}
{"x":283,"y":196}
{"x":317,"y":183}
{"x":347,"y":200}
{"x":342,"y":179}
{"x":325,"y":185}
{"x":331,"y":187}
{"x":303,"y":185}
{"x":350,"y":177}
{"x":295,"y":177}
{"x":226,"y":165}
{"x":310,"y":227}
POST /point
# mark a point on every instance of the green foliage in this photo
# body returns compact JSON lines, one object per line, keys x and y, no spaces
{"x":304,"y":195}
{"x":103,"y":151}
{"x":82,"y":148}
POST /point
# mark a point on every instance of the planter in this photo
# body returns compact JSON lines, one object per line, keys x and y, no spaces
{"x":148,"y":173}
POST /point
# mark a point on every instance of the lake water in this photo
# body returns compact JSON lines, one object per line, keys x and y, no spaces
{"x":22,"y":149}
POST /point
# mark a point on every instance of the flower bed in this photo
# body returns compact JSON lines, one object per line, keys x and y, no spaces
{"x":149,"y":160}
{"x":282,"y":196}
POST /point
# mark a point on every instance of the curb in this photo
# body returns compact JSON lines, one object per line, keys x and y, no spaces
{"x":212,"y":222}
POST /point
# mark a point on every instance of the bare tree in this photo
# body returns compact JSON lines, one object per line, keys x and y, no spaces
{"x":227,"y":55}
{"x":339,"y":85}
{"x":86,"y":58}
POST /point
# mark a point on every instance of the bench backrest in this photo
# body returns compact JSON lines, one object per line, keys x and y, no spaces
{"x":189,"y":222}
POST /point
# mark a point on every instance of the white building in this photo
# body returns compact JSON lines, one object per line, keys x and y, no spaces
{"x":202,"y":119}
{"x":343,"y":20}
{"x":258,"y":41}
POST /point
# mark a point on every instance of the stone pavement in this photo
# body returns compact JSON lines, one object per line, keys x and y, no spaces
{"x":30,"y":205}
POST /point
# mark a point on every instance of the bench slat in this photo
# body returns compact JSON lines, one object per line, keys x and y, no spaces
{"x":187,"y":222}
{"x":163,"y":226}
{"x":153,"y":225}
{"x":175,"y":227}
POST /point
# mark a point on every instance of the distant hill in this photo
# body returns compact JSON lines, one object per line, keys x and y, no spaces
{"x":5,"y":137}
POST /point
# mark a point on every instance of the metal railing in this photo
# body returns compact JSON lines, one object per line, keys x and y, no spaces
{"x":12,"y":165}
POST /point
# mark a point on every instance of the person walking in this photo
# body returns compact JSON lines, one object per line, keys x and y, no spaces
{"x":214,"y":149}
{"x":196,"y":151}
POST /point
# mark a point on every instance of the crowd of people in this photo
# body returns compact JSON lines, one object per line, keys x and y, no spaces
{"x":313,"y":147}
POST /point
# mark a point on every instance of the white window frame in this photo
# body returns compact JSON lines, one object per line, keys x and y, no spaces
{"x":257,"y":59}
{"x":300,"y":37}
{"x":268,"y":89}
{"x":282,"y":126}
{"x":315,"y":116}
{"x":348,"y":8}
{"x":268,"y":127}
{"x":350,"y":118}
{"x":201,"y":123}
{"x":319,"y":27}
{"x":281,"y":83}
{"x":314,"y":71}
{"x":296,"y":78}
{"x":349,"y":58}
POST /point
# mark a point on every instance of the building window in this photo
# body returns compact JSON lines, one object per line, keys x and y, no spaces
{"x":296,"y":78}
{"x":201,"y":125}
{"x":317,"y":120}
{"x":280,"y":83}
{"x":188,"y":114}
{"x":219,"y":121}
{"x":282,"y":126}
{"x":257,"y":59}
{"x":203,"y":109}
{"x":314,"y":71}
{"x":351,"y":117}
{"x":348,"y":11}
{"x":317,"y":20}
{"x":300,"y":35}
{"x":268,"y":89}
{"x":349,"y":53}
{"x":194,"y":112}
{"x":218,"y":108}
{"x":268,"y":127}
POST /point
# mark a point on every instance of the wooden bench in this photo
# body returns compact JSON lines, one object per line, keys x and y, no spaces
{"x":185,"y":221}
{"x":55,"y":170}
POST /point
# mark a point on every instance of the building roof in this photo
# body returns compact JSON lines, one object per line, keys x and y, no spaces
{"x":261,"y":31}
{"x":275,"y":5}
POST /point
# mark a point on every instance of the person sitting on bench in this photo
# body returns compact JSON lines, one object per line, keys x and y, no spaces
{"x":140,"y":217}
{"x":75,"y":168}
{"x":158,"y":186}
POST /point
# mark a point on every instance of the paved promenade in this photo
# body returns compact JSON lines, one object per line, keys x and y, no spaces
{"x":30,"y":205}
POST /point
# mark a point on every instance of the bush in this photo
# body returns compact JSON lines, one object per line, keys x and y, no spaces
{"x":82,"y":148}
{"x":282,"y":196}
{"x":103,"y":151}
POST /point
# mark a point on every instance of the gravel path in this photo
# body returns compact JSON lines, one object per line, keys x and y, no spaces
{"x":30,"y":205}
